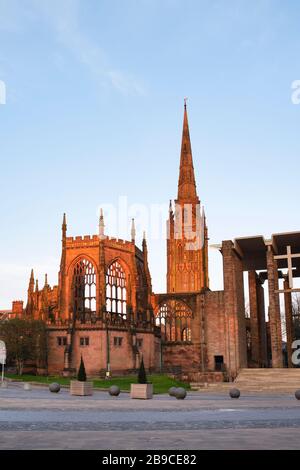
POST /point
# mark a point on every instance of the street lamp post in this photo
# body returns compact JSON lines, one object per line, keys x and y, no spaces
{"x":107,"y":350}
{"x":2,"y":358}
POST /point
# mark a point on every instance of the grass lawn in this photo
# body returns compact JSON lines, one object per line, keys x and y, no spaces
{"x":161,"y":383}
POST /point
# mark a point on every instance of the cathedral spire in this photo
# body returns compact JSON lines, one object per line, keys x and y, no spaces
{"x":186,"y":184}
{"x":187,"y":236}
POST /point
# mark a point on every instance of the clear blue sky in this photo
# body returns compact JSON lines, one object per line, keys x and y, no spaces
{"x":94,"y":111}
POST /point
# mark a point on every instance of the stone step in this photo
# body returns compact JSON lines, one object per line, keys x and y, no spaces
{"x":276,"y":380}
{"x":258,"y":380}
{"x":270,"y":371}
{"x":222,"y":389}
{"x":271,"y":377}
{"x":271,"y":385}
{"x":270,"y":374}
{"x":273,"y":380}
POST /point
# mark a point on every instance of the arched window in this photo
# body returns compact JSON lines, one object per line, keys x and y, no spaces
{"x":174,"y":319}
{"x":186,"y":334}
{"x":84,"y":290}
{"x":116,"y":299}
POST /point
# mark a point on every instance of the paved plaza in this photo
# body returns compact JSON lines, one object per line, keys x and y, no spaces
{"x":37,"y":419}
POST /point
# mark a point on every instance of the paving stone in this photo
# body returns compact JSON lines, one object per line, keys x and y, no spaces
{"x":41,"y":420}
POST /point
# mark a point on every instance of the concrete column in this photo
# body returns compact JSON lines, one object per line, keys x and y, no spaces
{"x":257,"y":321}
{"x":262,"y":323}
{"x":235,"y":325}
{"x":274,"y":310}
{"x":202,"y":329}
{"x":66,"y":297}
{"x":288,"y":321}
{"x":254,"y":318}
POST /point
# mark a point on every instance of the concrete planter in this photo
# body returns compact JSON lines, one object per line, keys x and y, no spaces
{"x":81,"y":388}
{"x":141,"y":391}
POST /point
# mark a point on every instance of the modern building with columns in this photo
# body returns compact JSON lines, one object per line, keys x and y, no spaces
{"x":276,"y":261}
{"x":103,"y":307}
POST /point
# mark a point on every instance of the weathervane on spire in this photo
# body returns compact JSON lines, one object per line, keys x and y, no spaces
{"x":185,"y":100}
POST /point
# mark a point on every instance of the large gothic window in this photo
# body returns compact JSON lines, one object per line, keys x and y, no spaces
{"x":84,"y":290}
{"x":116,"y":290}
{"x":174,"y":319}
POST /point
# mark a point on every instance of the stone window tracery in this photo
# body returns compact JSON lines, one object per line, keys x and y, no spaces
{"x":116,"y":295}
{"x":174,"y":319}
{"x":84,"y":290}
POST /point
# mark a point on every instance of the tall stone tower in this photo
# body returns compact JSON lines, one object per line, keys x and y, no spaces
{"x":187,"y":238}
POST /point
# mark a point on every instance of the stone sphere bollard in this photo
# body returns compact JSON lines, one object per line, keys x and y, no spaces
{"x":180,"y":393}
{"x":297,"y":394}
{"x":114,"y":391}
{"x":27,"y":386}
{"x":54,"y":387}
{"x":172,"y":391}
{"x":234,"y":393}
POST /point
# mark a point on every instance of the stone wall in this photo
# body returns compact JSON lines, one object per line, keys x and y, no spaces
{"x":122,"y":357}
{"x":181,"y":356}
{"x":234,"y":310}
{"x":215,"y":327}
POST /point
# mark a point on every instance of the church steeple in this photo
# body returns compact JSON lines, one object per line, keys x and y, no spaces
{"x":187,"y":235}
{"x":187,"y":191}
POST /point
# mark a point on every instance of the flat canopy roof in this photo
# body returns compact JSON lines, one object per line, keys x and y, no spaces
{"x":281,"y":240}
{"x":264,"y":275}
{"x":252,"y":250}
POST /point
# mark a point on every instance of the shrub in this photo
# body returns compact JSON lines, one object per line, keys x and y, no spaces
{"x":142,"y":378}
{"x":81,"y":372}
